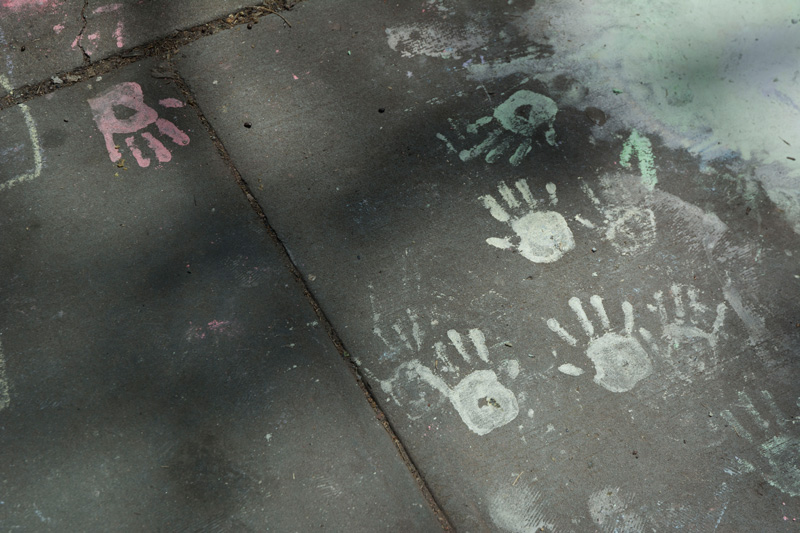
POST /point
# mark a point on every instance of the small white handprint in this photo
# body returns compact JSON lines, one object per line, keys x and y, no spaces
{"x":620,"y":361}
{"x":543,"y":236}
{"x":683,"y":332}
{"x":482,"y":402}
{"x":629,"y":227}
{"x":778,"y":445}
{"x":480,"y":399}
{"x":129,"y":95}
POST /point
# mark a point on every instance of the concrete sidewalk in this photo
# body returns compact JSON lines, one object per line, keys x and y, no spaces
{"x":525,"y":266}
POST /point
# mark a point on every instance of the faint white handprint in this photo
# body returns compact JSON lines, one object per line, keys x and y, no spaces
{"x":514,"y":122}
{"x":620,"y":360}
{"x":542,"y":236}
{"x":482,"y":402}
{"x":777,"y":444}
{"x":610,"y":511}
{"x":682,"y":331}
{"x":129,"y":96}
{"x":630,"y":228}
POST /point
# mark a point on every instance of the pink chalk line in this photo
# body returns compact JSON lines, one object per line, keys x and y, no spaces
{"x":106,"y":9}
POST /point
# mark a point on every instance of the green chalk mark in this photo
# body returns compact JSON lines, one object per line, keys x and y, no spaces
{"x":640,"y":146}
{"x":447,"y":142}
{"x":473,"y":128}
{"x":542,"y":111}
{"x":523,"y":150}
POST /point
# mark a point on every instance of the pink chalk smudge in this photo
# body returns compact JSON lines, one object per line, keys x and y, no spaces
{"x":171,"y":102}
{"x":214,"y":328}
{"x":118,"y":35}
{"x":107,"y":9}
{"x":219,"y":325}
{"x":17,"y":5}
{"x":295,"y":77}
{"x":58,"y":28}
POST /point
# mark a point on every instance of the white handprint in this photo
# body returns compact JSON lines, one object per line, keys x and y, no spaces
{"x":778,"y":445}
{"x":543,"y":236}
{"x":620,"y":361}
{"x":482,"y":402}
{"x":682,"y":330}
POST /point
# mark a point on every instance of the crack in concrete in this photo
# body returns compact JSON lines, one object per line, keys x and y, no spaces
{"x":79,"y":39}
{"x":165,"y":46}
{"x":333,"y":335}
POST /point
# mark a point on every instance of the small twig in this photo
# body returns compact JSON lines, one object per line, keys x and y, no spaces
{"x":276,"y":13}
{"x":515,"y":481}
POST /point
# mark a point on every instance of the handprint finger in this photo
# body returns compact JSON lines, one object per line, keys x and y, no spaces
{"x":479,"y":341}
{"x":503,"y":244}
{"x":627,"y":310}
{"x":143,"y":161}
{"x":525,"y":191}
{"x":556,"y":328}
{"x":597,"y":303}
{"x":508,"y":195}
{"x":676,"y":297}
{"x":171,"y":130}
{"x":495,"y":208}
{"x":162,"y":154}
{"x":455,"y":338}
{"x":586,"y":324}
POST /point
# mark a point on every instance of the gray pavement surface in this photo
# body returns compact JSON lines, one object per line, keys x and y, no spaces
{"x":41,"y":38}
{"x":558,"y":240}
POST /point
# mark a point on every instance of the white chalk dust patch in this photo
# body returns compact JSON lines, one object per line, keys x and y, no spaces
{"x":519,"y":509}
{"x":716,"y":80}
{"x":609,"y":511}
{"x":437,"y":39}
{"x":628,"y":223}
{"x":540,"y":236}
{"x":776,"y":441}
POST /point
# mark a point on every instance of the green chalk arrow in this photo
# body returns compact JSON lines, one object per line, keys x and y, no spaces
{"x":640,"y":146}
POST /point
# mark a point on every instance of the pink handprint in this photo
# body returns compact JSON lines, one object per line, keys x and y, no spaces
{"x":130,"y":95}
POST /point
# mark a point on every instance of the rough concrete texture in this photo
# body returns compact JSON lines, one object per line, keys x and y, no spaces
{"x":40,"y":38}
{"x":559,"y":240}
{"x":163,"y":370}
{"x":111,"y":27}
{"x":36,"y":40}
{"x":572,"y":324}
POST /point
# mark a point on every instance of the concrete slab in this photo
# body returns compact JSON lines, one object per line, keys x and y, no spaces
{"x":36,"y":39}
{"x":40,"y":38}
{"x":573,"y":322}
{"x":159,"y":367}
{"x":111,"y":27}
